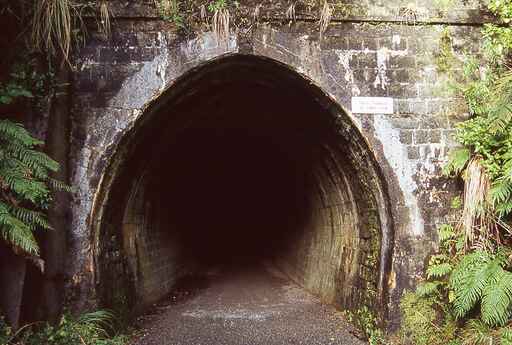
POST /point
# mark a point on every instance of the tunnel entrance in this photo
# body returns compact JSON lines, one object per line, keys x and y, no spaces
{"x":243,"y":161}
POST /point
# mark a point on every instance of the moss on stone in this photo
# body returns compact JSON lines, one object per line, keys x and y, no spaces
{"x":445,"y":58}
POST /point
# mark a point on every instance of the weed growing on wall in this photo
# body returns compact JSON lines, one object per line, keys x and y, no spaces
{"x":169,"y":10}
{"x":365,"y":320}
{"x":57,"y":25}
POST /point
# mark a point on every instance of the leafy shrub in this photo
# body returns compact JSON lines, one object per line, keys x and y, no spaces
{"x":89,"y":329}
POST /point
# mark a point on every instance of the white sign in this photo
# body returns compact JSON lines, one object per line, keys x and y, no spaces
{"x":372,"y":105}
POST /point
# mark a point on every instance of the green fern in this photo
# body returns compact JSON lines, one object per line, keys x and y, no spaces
{"x":480,"y":278}
{"x":15,"y":133}
{"x":476,"y":332}
{"x":428,"y":288}
{"x":501,"y":191}
{"x":468,"y":281}
{"x":457,"y":161}
{"x":447,"y":235}
{"x":504,"y":208}
{"x":497,"y":298}
{"x":439,"y":270}
{"x":506,"y":336}
{"x":25,"y":187}
{"x":16,"y":232}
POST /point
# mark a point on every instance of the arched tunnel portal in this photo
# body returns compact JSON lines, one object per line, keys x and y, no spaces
{"x":243,"y":161}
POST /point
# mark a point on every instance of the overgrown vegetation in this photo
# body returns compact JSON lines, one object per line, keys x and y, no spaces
{"x":170,"y":10}
{"x":366,"y":321}
{"x":466,"y":297}
{"x":25,"y":182}
{"x":58,"y":24}
{"x":38,"y":40}
{"x":89,"y":329}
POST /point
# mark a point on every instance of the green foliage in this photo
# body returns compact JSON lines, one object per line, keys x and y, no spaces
{"x":91,"y":329}
{"x":25,"y":182}
{"x":475,"y":332}
{"x":498,"y":43}
{"x":5,"y":331}
{"x":419,"y":320}
{"x":24,"y":178}
{"x":169,"y":10}
{"x":456,"y":203}
{"x":488,"y":93}
{"x":502,"y":9}
{"x":466,"y":299}
{"x":446,"y":234}
{"x":217,"y":5}
{"x":428,"y":288}
{"x":480,"y":278}
{"x":365,"y":320}
{"x":437,"y":268}
{"x":459,"y":158}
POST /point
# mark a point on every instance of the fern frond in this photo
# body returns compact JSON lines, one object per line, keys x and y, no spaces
{"x":457,"y":160}
{"x":507,"y":165}
{"x":469,"y":279}
{"x":500,"y":118}
{"x":504,"y":208}
{"x":506,"y":336}
{"x":476,"y":332}
{"x":428,"y":288}
{"x":33,"y":159}
{"x":439,"y":270}
{"x":500,"y":112}
{"x":28,"y":189}
{"x":60,"y":186}
{"x":446,"y":232}
{"x":501,"y":191}
{"x":17,"y":233}
{"x":24,"y":182}
{"x":31,"y":218}
{"x":497,"y":299}
{"x":11,"y":131}
{"x":476,"y":278}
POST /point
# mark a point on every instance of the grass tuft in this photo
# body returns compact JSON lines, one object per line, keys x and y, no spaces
{"x":325,"y":18}
{"x":220,"y":24}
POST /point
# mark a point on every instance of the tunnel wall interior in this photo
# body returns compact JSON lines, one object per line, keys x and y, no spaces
{"x":242,"y":162}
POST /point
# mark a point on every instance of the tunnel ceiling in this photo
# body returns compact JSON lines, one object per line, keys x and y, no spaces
{"x":241,"y":161}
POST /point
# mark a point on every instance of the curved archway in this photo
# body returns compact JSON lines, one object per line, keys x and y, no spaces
{"x":243,"y":160}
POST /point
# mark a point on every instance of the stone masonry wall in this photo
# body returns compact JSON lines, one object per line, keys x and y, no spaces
{"x":389,"y":49}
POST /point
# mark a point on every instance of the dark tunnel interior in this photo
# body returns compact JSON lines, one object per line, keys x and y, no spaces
{"x":237,"y":181}
{"x":240,"y":164}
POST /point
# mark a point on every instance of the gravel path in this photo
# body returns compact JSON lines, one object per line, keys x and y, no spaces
{"x":249,"y":308}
